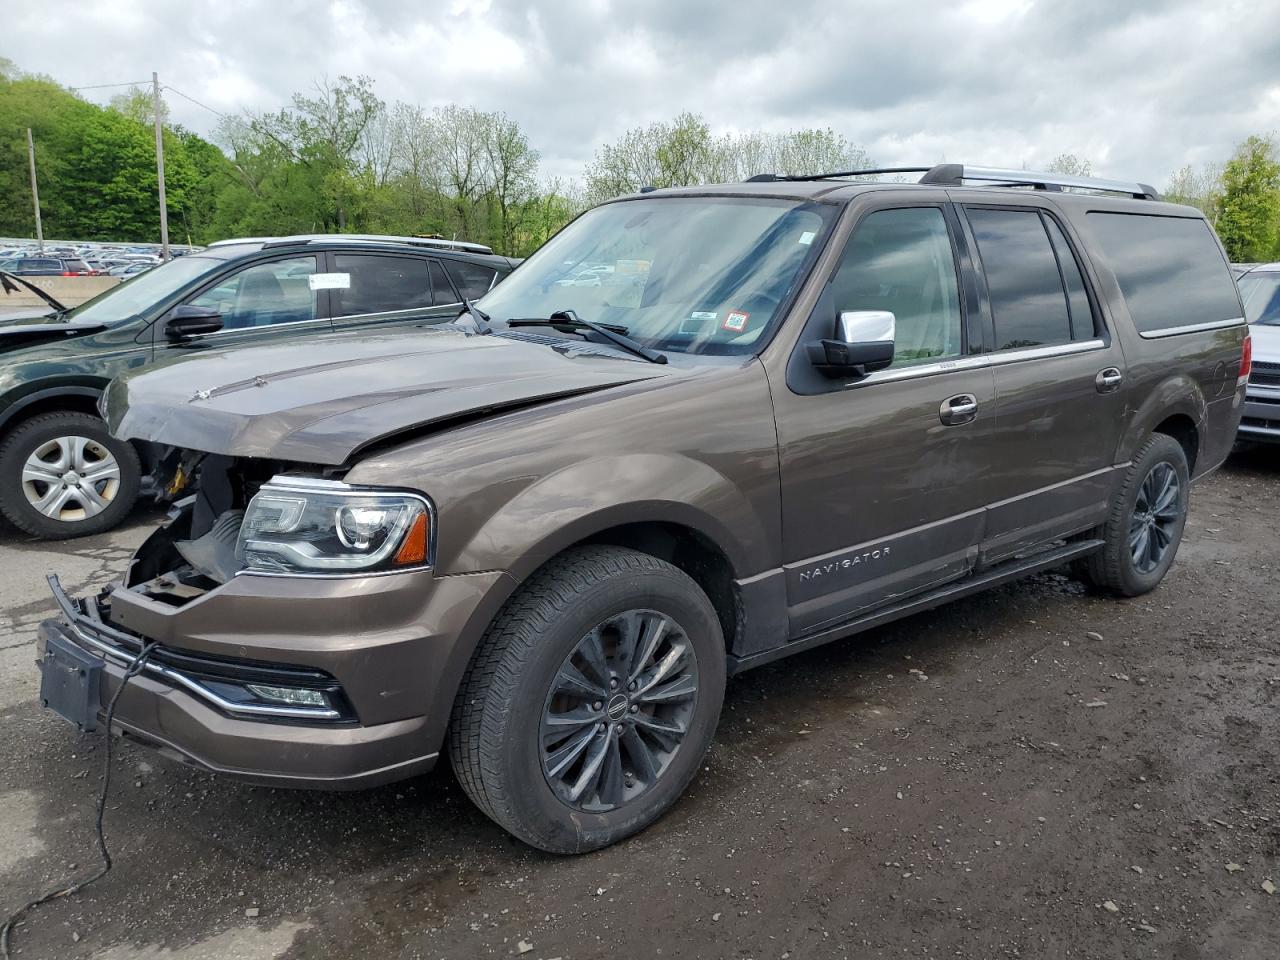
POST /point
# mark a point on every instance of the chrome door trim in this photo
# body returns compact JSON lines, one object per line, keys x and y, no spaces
{"x":1191,"y":328}
{"x":979,"y":362}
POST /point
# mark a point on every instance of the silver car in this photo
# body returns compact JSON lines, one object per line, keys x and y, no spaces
{"x":1260,"y":291}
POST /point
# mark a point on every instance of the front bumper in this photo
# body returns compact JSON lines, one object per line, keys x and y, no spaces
{"x":1261,"y":417}
{"x":385,"y":643}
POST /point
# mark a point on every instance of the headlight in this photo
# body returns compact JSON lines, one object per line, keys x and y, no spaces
{"x":320,"y":526}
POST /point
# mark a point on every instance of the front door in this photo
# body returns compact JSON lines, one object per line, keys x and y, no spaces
{"x":268,"y":300}
{"x":1059,"y":382}
{"x":883,"y":477}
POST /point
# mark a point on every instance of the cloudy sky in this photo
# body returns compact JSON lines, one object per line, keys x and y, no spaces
{"x":1139,"y":87}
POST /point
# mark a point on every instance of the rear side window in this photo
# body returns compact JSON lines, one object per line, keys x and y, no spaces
{"x":380,"y":284}
{"x":472,"y":280}
{"x":1170,"y":270}
{"x":1030,"y":303}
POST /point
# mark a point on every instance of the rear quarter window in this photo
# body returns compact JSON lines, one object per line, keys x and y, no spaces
{"x":1171,"y":270}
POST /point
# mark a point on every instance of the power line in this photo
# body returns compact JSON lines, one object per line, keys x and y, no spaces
{"x":103,"y":86}
{"x":216,"y":113}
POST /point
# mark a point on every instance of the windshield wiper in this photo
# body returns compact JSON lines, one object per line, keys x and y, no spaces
{"x":479,"y":319}
{"x":6,"y":284}
{"x":567,"y":321}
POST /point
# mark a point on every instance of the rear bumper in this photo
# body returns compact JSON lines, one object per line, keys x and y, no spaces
{"x":386,"y":654}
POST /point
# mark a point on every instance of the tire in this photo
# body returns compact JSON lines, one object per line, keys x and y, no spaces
{"x":1114,"y":568}
{"x":50,"y":443}
{"x":500,"y":742}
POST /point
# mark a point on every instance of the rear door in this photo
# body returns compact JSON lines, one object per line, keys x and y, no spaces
{"x":1059,"y":380}
{"x":381,"y":289}
{"x":883,"y":477}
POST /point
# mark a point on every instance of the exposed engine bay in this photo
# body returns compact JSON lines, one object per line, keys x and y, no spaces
{"x":195,"y":550}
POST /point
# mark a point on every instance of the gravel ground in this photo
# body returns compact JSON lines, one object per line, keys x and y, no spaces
{"x":1036,"y":772}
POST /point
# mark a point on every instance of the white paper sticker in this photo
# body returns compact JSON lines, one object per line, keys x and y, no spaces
{"x":329,"y":281}
{"x":807,"y":237}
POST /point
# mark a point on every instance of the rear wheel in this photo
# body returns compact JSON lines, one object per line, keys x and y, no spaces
{"x":1147,"y":518}
{"x":63,"y":475}
{"x":591,"y":700}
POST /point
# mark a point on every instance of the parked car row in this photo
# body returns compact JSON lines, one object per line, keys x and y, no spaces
{"x":63,"y":475}
{"x":541,"y":536}
{"x":29,"y":258}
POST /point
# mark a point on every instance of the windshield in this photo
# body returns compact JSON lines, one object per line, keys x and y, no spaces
{"x":143,"y":291}
{"x":1261,"y":295}
{"x":688,"y":274}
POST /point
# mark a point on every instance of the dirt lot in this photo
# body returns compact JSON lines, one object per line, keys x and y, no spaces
{"x":985,"y":781}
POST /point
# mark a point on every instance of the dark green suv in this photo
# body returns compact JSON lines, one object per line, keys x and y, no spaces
{"x":63,"y":475}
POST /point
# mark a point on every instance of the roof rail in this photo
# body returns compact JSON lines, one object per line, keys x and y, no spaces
{"x":954,"y":175}
{"x":775,"y":177}
{"x":431,"y":242}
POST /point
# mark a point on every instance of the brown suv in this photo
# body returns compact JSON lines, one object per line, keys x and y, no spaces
{"x":542,"y":537}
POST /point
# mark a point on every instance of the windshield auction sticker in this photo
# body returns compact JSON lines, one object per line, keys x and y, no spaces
{"x":736,"y":320}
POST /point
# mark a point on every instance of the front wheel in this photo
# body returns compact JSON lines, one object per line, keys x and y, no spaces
{"x":64,"y":475}
{"x":591,"y":700}
{"x":1147,"y":518}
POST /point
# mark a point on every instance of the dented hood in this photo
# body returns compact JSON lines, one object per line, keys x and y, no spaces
{"x":322,"y":400}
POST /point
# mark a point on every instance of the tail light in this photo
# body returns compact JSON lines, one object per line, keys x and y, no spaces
{"x":1246,"y":359}
{"x":68,"y":273}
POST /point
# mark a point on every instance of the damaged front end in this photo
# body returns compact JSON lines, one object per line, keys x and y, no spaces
{"x":278,"y":651}
{"x":248,"y":515}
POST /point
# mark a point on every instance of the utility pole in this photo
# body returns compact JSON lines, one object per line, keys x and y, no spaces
{"x":164,"y":210}
{"x":35,"y":191}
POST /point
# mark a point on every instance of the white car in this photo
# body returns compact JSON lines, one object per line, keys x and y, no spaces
{"x":1260,"y":290}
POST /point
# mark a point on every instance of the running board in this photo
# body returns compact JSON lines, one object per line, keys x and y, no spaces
{"x":1003,"y":573}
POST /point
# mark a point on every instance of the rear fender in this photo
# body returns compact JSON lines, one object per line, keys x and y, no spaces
{"x":1177,"y":394}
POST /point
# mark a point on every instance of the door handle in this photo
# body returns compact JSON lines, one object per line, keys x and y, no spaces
{"x":961,"y":408}
{"x":1108,"y":380}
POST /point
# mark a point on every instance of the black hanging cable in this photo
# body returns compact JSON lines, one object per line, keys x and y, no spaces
{"x":134,"y":669}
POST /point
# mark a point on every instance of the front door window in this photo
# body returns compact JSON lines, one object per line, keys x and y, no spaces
{"x":264,"y":295}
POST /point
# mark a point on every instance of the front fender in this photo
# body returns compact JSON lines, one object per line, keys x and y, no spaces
{"x":585,"y":498}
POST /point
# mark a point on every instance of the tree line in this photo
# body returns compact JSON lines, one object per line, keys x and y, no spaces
{"x":338,"y":158}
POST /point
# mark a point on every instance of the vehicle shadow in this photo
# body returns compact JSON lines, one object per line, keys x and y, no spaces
{"x":1260,"y":459}
{"x":418,"y":850}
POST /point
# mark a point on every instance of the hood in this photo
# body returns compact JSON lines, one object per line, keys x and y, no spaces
{"x":25,"y":329}
{"x":323,"y":400}
{"x":1266,"y":342}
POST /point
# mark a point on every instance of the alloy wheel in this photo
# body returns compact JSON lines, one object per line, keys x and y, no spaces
{"x":1156,"y":515}
{"x":618,"y":710}
{"x":71,"y":478}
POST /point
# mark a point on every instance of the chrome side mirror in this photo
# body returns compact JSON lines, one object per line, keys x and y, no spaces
{"x":865,"y":344}
{"x":868,"y":326}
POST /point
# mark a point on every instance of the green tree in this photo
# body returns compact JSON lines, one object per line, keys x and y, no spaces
{"x":1197,"y":188}
{"x":1248,"y":219}
{"x":684,"y":152}
{"x":96,"y":168}
{"x":1071,"y":165}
